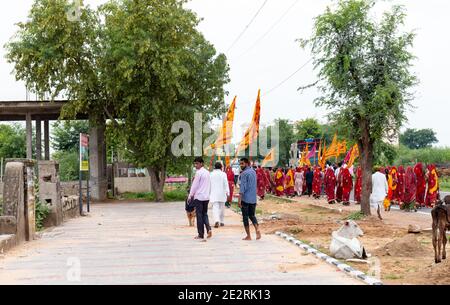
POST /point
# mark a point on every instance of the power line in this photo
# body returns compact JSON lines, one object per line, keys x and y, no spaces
{"x":248,"y":25}
{"x":270,"y":29}
{"x":288,"y":78}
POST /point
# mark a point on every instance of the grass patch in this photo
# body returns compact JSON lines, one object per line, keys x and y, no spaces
{"x":170,"y":196}
{"x":356,"y":216}
{"x":295,"y":230}
{"x":444,"y":184}
{"x":393,"y":277}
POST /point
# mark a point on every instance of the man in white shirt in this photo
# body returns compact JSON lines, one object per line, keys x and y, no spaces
{"x":379,"y":191}
{"x":236,"y":172}
{"x":219,"y":193}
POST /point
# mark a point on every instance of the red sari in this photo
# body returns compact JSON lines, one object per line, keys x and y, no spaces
{"x":339,"y":186}
{"x":421,"y":184}
{"x":400,"y":193}
{"x":330,"y":184}
{"x":358,"y":185}
{"x":433,"y":186}
{"x":260,"y":183}
{"x":230,"y":178}
{"x":410,"y":187}
{"x":347,"y":184}
{"x":317,"y":182}
{"x":290,"y":183}
{"x":393,"y":184}
{"x":269,"y":182}
{"x":279,"y":183}
{"x":304,"y":187}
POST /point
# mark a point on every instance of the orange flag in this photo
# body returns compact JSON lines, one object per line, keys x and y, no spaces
{"x":353,"y":155}
{"x":253,"y":130}
{"x":226,"y":132}
{"x":269,"y":160}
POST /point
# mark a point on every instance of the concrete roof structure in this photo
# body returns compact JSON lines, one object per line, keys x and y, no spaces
{"x":39,"y":110}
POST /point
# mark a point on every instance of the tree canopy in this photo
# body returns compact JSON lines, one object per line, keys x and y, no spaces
{"x":141,"y":64}
{"x":364,"y":74}
{"x":12,"y":141}
{"x":417,"y":139}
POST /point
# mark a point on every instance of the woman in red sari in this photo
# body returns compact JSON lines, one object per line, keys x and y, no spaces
{"x":421,"y":184}
{"x":269,"y":182}
{"x":230,"y":178}
{"x":260,"y":183}
{"x":358,"y":185}
{"x":409,"y":199}
{"x":400,"y":193}
{"x":279,"y":183}
{"x":317,"y":183}
{"x":304,"y":186}
{"x":433,"y":186}
{"x":393,"y":185}
{"x":290,"y":183}
{"x":330,"y":184}
{"x":347,"y":184}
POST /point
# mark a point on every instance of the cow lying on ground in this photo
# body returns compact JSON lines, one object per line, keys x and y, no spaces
{"x":345,"y":243}
{"x":441,"y":223}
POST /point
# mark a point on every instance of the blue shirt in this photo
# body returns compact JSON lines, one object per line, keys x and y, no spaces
{"x":248,"y":186}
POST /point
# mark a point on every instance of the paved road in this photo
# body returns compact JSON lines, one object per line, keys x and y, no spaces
{"x":134,"y":243}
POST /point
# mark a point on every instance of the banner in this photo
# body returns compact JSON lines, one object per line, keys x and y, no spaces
{"x":84,"y":153}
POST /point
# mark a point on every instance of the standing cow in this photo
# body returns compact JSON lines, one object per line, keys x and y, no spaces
{"x":441,"y":223}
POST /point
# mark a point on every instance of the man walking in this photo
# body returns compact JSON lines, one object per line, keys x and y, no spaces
{"x":220,"y":191}
{"x":200,"y":192}
{"x":247,"y":198}
{"x":379,"y":190}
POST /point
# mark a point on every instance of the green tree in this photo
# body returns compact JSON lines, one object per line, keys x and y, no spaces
{"x":417,"y":139}
{"x":308,"y":129}
{"x":364,"y":74}
{"x":66,"y":135}
{"x":286,"y":139}
{"x":12,"y":141}
{"x":69,"y":164}
{"x":142,"y":61}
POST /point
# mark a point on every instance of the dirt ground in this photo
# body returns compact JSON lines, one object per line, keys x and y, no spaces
{"x":404,"y":258}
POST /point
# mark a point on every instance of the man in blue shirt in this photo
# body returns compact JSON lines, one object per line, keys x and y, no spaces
{"x":247,"y":198}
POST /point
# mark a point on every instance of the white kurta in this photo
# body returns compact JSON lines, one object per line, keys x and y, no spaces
{"x":379,"y":189}
{"x":220,"y":191}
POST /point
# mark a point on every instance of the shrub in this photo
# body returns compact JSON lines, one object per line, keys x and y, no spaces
{"x":42,"y":211}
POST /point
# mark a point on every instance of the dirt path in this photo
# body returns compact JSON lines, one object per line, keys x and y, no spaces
{"x":403,"y":258}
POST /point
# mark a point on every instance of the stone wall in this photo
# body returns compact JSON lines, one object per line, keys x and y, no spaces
{"x":133,"y":185}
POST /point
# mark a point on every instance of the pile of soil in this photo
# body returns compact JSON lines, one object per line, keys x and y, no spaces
{"x":407,"y":246}
{"x":436,"y":274}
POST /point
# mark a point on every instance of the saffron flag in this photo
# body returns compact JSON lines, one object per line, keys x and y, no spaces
{"x":253,"y":130}
{"x":354,"y":155}
{"x":304,"y":160}
{"x":226,"y":132}
{"x":269,"y":160}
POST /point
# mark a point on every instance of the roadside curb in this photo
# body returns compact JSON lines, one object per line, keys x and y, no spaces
{"x":331,"y":261}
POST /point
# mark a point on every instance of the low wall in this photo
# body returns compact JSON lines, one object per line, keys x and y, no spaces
{"x":72,"y":188}
{"x":133,"y":185}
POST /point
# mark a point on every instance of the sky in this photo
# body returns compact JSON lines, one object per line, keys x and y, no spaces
{"x":264,"y":63}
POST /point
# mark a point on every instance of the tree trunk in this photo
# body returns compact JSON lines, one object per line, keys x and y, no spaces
{"x":366,"y":157}
{"x":158,"y":180}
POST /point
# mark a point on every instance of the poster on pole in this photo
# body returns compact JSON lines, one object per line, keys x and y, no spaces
{"x":84,"y":152}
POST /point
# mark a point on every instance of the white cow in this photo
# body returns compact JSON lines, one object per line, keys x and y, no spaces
{"x":345,"y":243}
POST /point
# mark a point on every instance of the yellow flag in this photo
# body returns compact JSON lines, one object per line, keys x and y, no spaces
{"x":226,"y":132}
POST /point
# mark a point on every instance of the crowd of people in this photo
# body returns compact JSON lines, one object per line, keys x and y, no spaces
{"x":410,"y":187}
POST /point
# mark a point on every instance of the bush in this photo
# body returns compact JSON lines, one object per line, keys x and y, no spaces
{"x":408,"y":156}
{"x":170,"y":196}
{"x":68,"y":165}
{"x":42,"y":211}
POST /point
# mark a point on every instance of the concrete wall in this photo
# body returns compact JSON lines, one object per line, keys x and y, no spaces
{"x":133,"y":185}
{"x":71,"y":188}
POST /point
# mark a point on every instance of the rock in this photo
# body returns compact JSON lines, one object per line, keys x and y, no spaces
{"x":414,"y":229}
